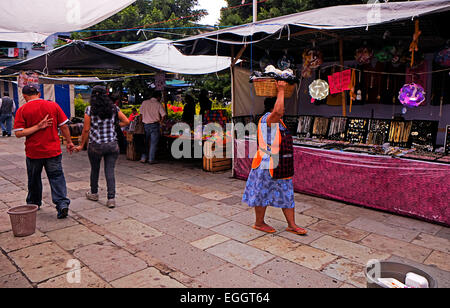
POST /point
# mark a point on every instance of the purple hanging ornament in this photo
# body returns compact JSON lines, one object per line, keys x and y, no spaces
{"x":412,"y":95}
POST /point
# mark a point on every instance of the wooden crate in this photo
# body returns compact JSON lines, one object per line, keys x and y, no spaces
{"x":212,"y":163}
{"x":132,"y":154}
{"x":216,"y":164}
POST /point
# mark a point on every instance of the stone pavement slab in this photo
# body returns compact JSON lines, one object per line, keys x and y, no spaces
{"x":242,"y":255}
{"x":310,"y":257}
{"x":304,"y":239}
{"x":9,"y":243}
{"x":287,"y":274}
{"x":444,"y":233}
{"x":16,"y":195}
{"x":330,"y":215}
{"x":6,"y":267}
{"x":432,"y":242}
{"x":151,"y":177}
{"x":75,"y":237}
{"x":349,"y":250}
{"x":102,"y":215}
{"x":339,"y":231}
{"x":274,"y":244}
{"x":396,"y":247}
{"x":46,"y":220}
{"x":216,"y":195}
{"x":83,"y":204}
{"x":347,"y":271}
{"x":143,"y":213}
{"x":207,"y":220}
{"x":439,"y":259}
{"x":230,"y":276}
{"x":42,"y":262}
{"x":3,"y":207}
{"x":14,"y":281}
{"x":148,"y":278}
{"x":144,"y":199}
{"x":218,"y":208}
{"x":132,"y":231}
{"x":413,"y":224}
{"x":177,"y":209}
{"x":186,"y":198}
{"x":384,"y":229}
{"x":108,"y":261}
{"x":209,"y":241}
{"x":88,"y":280}
{"x":181,"y":229}
{"x":238,"y":231}
{"x":358,"y":211}
{"x":181,"y":256}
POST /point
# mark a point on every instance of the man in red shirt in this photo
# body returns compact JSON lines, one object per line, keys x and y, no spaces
{"x":38,"y":120}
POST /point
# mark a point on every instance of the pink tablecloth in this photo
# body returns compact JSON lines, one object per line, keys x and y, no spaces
{"x":406,"y":187}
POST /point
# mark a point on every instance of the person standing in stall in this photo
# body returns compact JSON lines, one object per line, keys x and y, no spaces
{"x":270,"y":180}
{"x":205,"y":102}
{"x":100,"y":120}
{"x":7,"y":109}
{"x":153,"y":114}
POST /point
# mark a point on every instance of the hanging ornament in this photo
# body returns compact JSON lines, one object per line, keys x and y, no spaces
{"x":319,"y":89}
{"x":364,"y":55}
{"x":443,"y":57}
{"x":385,"y":54}
{"x":312,"y":59}
{"x":285,"y":62}
{"x":414,"y":47}
{"x":412,"y":95}
{"x":404,"y":110}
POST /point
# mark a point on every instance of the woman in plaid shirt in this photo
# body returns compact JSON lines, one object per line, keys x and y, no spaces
{"x":270,"y":181}
{"x":100,"y":120}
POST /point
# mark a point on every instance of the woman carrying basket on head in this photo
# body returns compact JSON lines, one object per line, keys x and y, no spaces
{"x":270,"y":180}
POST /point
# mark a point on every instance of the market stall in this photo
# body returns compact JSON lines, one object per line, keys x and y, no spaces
{"x":370,"y":107}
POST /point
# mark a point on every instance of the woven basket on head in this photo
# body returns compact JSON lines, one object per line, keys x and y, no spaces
{"x":267,"y":87}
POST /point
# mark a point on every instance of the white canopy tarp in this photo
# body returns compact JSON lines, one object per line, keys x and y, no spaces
{"x":161,"y":54}
{"x":330,"y":18}
{"x":153,"y":55}
{"x":33,"y":21}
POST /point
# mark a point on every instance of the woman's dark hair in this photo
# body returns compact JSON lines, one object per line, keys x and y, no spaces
{"x":101,"y":105}
{"x":269,"y":104}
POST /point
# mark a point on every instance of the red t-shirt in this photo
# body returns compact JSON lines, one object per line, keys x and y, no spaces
{"x":44,"y":143}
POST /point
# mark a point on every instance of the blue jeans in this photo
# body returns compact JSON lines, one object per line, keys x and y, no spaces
{"x":55,"y":174}
{"x":8,"y":119}
{"x":110,"y":153}
{"x":152,"y":135}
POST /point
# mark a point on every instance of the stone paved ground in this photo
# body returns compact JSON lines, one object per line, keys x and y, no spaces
{"x":177,"y":226}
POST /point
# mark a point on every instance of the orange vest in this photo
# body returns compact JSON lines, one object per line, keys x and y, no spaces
{"x":263,"y":149}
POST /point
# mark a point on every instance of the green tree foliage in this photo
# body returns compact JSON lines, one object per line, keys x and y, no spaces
{"x":148,"y":14}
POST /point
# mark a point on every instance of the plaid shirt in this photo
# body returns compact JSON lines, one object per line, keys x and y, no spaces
{"x":102,"y":131}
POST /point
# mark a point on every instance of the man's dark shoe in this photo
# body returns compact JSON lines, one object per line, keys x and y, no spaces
{"x":3,"y":134}
{"x":63,"y":213}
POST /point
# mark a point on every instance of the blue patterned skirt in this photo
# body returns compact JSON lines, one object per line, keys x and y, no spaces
{"x":263,"y":190}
